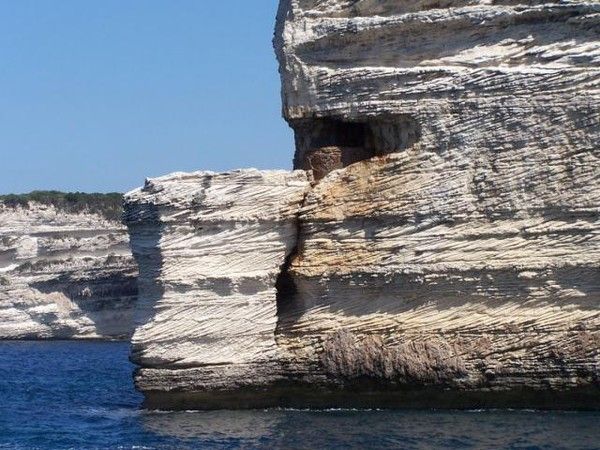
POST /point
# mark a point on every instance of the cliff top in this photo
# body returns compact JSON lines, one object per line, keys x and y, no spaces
{"x":108,"y":205}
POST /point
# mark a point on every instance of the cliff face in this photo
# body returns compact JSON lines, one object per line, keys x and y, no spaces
{"x":466,"y":252}
{"x":479,"y":83}
{"x":211,"y":249}
{"x":64,"y":274}
{"x":448,"y":248}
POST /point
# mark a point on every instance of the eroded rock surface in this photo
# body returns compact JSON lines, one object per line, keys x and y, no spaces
{"x":210,"y":249}
{"x":466,"y":253}
{"x":471,"y":77}
{"x":448,"y":249}
{"x":64,"y":275}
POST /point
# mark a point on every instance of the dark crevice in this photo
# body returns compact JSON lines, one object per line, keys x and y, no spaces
{"x":327,"y":144}
{"x":285,"y":285}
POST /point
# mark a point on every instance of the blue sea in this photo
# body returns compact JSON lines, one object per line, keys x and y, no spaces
{"x":79,"y":395}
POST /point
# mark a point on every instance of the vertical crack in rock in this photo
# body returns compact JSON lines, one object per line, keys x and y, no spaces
{"x":285,"y":285}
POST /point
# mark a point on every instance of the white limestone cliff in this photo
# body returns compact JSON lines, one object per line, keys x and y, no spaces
{"x":465,"y":253}
{"x":210,"y":249}
{"x":64,"y":275}
{"x":448,"y":248}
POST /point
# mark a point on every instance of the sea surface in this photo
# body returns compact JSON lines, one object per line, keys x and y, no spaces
{"x":59,"y":395}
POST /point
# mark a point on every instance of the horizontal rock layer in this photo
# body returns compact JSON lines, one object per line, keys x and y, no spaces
{"x":210,"y":249}
{"x":447,"y":309}
{"x":425,"y":284}
{"x":465,"y":79}
{"x":64,"y":274}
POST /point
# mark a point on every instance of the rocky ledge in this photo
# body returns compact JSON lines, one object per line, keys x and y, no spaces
{"x":444,"y":250}
{"x":66,"y":270}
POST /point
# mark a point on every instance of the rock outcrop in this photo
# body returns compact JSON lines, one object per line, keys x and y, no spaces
{"x":64,"y":274}
{"x":211,"y":249}
{"x":448,"y":249}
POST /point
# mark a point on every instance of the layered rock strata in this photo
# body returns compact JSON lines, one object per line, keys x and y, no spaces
{"x":64,"y":275}
{"x":448,"y":249}
{"x":210,"y":249}
{"x":463,"y":78}
{"x":465,"y":255}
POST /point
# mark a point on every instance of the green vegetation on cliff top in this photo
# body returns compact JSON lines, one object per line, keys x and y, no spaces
{"x":108,"y":205}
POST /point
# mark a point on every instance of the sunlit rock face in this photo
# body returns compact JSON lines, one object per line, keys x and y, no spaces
{"x":64,"y":275}
{"x":474,"y":79}
{"x":465,"y":253}
{"x":442,"y":247}
{"x":211,"y":248}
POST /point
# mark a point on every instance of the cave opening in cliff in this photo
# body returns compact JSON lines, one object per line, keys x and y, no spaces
{"x":327,"y":144}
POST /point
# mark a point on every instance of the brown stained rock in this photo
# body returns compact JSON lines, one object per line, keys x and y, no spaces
{"x":420,"y":362}
{"x":324,"y":145}
{"x":327,"y":159}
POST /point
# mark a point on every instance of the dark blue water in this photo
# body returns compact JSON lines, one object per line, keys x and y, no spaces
{"x":79,"y":395}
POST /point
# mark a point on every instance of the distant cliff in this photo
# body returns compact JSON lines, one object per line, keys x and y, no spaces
{"x":447,"y":249}
{"x":66,"y":271}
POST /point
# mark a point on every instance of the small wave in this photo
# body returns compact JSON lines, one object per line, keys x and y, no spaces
{"x":111,"y":413}
{"x":324,"y":410}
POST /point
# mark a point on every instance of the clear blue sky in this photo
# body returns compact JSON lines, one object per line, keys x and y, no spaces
{"x":96,"y":95}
